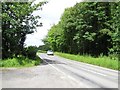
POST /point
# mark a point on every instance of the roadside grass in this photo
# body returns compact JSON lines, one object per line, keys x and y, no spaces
{"x":41,"y":51}
{"x":20,"y":62}
{"x":103,"y":61}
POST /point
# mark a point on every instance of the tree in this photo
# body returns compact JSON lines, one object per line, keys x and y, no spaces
{"x":115,"y":9}
{"x":17,"y":22}
{"x":54,"y":38}
{"x":87,"y":28}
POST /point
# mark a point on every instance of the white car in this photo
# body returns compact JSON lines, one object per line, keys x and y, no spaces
{"x":50,"y":52}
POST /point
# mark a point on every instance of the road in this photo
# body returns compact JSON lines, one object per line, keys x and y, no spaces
{"x":57,"y":72}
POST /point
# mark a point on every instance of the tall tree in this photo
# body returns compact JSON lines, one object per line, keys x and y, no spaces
{"x":87,"y":28}
{"x":115,"y":12}
{"x":17,"y":22}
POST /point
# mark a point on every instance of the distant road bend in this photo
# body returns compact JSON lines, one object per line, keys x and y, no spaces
{"x":90,"y":76}
{"x":58,"y":72}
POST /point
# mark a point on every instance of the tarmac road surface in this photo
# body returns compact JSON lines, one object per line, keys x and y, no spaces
{"x":58,"y":72}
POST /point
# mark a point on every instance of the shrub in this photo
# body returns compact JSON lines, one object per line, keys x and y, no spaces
{"x":31,"y":52}
{"x":19,"y":62}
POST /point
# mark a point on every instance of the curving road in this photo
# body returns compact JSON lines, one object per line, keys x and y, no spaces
{"x":57,"y":72}
{"x":90,"y":75}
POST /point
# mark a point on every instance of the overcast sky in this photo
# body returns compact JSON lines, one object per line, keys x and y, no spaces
{"x":50,"y":15}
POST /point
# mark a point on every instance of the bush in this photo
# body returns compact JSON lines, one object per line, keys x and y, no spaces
{"x":31,"y":52}
{"x":41,"y":51}
{"x":20,"y":62}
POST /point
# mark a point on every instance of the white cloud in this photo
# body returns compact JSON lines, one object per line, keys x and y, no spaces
{"x":50,"y":15}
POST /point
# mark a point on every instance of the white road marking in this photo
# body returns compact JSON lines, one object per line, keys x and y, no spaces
{"x":115,"y":71}
{"x":86,"y":70}
{"x":96,"y":72}
{"x":72,"y":78}
{"x":110,"y":70}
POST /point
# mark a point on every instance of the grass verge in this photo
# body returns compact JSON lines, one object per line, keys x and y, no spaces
{"x":41,"y":51}
{"x":20,"y":62}
{"x":100,"y":61}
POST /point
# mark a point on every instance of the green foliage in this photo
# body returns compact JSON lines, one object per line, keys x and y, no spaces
{"x":17,"y":22}
{"x":54,"y":39}
{"x":115,"y":11}
{"x":100,"y":61}
{"x":87,"y":28}
{"x":31,"y":52}
{"x":41,"y":51}
{"x":44,"y":47}
{"x":20,"y":62}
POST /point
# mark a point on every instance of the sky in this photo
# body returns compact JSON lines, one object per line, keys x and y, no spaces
{"x":50,"y":14}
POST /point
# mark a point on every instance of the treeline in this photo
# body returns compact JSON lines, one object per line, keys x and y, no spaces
{"x":17,"y":22}
{"x":44,"y":47}
{"x":87,"y":28}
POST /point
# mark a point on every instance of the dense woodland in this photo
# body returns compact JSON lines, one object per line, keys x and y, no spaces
{"x":91,"y":28}
{"x":87,"y":28}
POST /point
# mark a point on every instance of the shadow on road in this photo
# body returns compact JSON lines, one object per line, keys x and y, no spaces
{"x":48,"y":61}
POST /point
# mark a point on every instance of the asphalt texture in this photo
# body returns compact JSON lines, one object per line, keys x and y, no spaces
{"x":58,"y":72}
